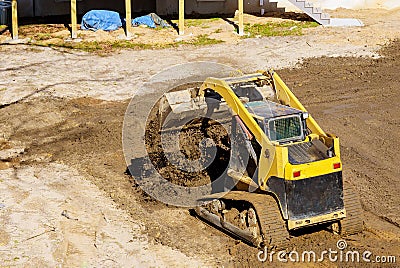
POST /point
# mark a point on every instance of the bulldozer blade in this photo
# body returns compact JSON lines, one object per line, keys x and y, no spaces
{"x":228,"y":227}
{"x":179,"y":107}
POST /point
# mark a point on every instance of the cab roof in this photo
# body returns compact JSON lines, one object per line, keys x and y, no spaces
{"x":268,"y":109}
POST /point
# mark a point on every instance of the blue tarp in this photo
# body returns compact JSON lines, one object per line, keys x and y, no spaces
{"x":101,"y":20}
{"x":144,"y":20}
{"x":151,"y":20}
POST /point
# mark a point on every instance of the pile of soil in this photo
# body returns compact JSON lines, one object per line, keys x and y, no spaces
{"x":193,"y":146}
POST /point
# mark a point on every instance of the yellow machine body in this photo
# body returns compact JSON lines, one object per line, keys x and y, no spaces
{"x":273,"y":162}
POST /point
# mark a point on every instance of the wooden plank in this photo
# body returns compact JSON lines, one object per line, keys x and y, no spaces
{"x":128,"y":10}
{"x":74,"y":23}
{"x":241,"y":19}
{"x":181,"y":17}
{"x":14,"y":15}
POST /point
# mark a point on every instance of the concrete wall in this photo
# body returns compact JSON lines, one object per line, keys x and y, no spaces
{"x":29,"y":8}
{"x":213,"y":6}
{"x":41,"y":8}
{"x":25,"y":8}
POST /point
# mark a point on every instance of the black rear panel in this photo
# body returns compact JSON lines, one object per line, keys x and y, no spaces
{"x":314,"y":196}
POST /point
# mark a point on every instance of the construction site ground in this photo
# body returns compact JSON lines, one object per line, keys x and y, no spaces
{"x":67,"y":200}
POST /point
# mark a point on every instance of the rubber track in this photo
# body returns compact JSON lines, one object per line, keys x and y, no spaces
{"x":273,"y":227}
{"x":353,"y":223}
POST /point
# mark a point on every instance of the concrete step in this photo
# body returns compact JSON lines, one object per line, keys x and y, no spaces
{"x":317,"y":10}
{"x":315,"y":13}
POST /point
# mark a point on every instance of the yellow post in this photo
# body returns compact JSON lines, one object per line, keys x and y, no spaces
{"x":128,"y":10}
{"x":181,"y":17}
{"x":241,"y":14}
{"x":73,"y":20}
{"x":14,"y":16}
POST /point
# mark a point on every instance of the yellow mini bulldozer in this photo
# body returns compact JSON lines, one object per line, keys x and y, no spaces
{"x":285,"y":172}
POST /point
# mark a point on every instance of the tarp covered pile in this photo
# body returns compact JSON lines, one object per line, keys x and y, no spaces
{"x":110,"y":21}
{"x":151,"y":20}
{"x":101,"y":20}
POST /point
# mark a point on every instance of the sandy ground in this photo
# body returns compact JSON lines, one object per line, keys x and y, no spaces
{"x":51,"y":216}
{"x":67,"y":201}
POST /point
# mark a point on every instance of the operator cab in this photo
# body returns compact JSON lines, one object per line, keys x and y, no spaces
{"x":281,"y":123}
{"x":288,"y":127}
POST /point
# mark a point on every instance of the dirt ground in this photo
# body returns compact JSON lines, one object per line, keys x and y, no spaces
{"x":67,"y":199}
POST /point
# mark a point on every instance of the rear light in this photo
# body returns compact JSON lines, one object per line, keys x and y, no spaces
{"x":296,"y":174}
{"x":336,"y":165}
